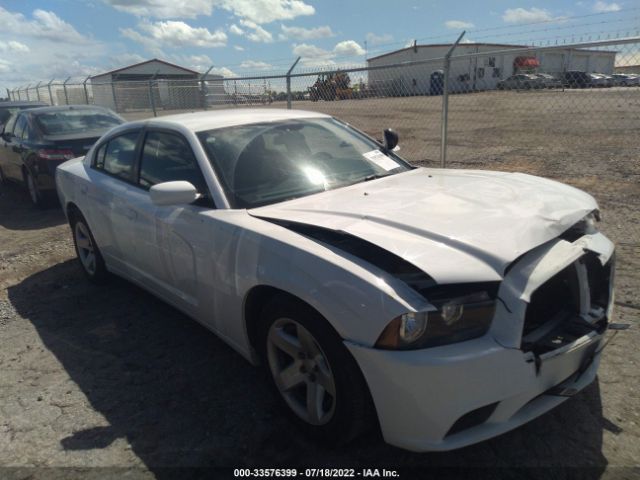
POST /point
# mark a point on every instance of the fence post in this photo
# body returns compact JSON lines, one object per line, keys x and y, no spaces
{"x":8,"y":94}
{"x":51,"y":101}
{"x":86,"y":93}
{"x":27,"y":91}
{"x":38,"y":91}
{"x":289,"y":83}
{"x":113,"y":92}
{"x":151,"y":99}
{"x":203,"y":89}
{"x":445,"y":103}
{"x":64,"y":87}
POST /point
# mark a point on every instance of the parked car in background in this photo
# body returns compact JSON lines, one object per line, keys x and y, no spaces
{"x":576,"y":79}
{"x":452,"y":305}
{"x":625,"y":79}
{"x":599,"y":80}
{"x":548,"y":80}
{"x":520,"y":81}
{"x":35,"y":141}
{"x":9,"y":108}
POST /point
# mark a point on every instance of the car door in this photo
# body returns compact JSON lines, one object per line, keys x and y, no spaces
{"x":12,"y":166}
{"x":169,"y":241}
{"x":110,"y":185}
{"x":5,"y":144}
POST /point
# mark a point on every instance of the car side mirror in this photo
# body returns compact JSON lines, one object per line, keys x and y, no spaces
{"x":173,"y":193}
{"x":390,"y":139}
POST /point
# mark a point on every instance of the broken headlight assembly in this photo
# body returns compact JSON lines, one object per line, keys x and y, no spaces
{"x":587,"y":226}
{"x":463,"y":312}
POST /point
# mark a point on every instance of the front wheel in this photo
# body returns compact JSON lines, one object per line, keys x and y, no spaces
{"x":87,"y":251}
{"x":314,"y":373}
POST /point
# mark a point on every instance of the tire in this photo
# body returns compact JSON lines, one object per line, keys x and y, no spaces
{"x":313,"y":373}
{"x":87,"y":250}
{"x":36,"y":196}
{"x":3,"y":179}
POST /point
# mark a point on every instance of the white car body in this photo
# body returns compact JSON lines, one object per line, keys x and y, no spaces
{"x":457,"y":226}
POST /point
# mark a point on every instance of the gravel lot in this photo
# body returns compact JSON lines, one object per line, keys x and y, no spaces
{"x":112,"y":377}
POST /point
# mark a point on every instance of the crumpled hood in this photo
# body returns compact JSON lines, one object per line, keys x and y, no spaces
{"x":455,"y":225}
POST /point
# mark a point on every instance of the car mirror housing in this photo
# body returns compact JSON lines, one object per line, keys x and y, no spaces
{"x":173,"y":193}
{"x":390,"y":139}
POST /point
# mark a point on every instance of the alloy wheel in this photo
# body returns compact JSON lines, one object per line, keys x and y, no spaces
{"x":301,"y":371}
{"x":86,"y":250}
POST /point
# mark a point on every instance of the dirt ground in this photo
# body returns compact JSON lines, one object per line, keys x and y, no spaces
{"x":112,"y":377}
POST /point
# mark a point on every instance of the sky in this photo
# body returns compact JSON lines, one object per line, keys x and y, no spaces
{"x":41,"y":40}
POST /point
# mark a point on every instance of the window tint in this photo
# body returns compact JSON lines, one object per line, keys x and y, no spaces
{"x":98,"y":158}
{"x":11,"y":123}
{"x":120,"y":155}
{"x":21,"y":124}
{"x":76,"y":121}
{"x":167,"y":157}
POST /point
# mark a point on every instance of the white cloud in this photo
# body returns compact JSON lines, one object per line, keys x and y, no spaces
{"x":199,"y":63}
{"x":458,"y":24}
{"x":306,"y":51}
{"x":238,"y":48}
{"x":5,"y":67}
{"x":522,"y":15}
{"x":14,"y":47}
{"x":236,"y":30}
{"x":348,"y":48}
{"x":125,"y":59}
{"x":44,"y":24}
{"x":224,"y":71}
{"x":373,"y":39}
{"x":258,"y":11}
{"x":175,"y":34}
{"x":300,"y":33}
{"x":256,"y":33}
{"x":315,"y":56}
{"x":255,"y":65}
{"x":602,"y":7}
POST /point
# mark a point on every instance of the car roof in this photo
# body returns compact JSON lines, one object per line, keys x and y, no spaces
{"x":209,"y":120}
{"x":64,"y":108}
{"x":21,"y":104}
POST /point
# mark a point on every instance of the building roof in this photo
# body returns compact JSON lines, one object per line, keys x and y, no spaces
{"x":122,"y":69}
{"x":500,"y":45}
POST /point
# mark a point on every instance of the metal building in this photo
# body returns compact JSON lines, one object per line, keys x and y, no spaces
{"x":477,"y":72}
{"x":164,"y":84}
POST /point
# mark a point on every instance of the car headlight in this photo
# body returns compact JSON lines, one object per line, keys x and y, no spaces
{"x":462,"y":312}
{"x":587,"y":226}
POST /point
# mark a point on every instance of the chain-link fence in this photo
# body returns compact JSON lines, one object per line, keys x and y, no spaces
{"x":568,"y":112}
{"x":502,"y":98}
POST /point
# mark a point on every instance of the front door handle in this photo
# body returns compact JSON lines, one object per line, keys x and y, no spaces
{"x":131,"y":214}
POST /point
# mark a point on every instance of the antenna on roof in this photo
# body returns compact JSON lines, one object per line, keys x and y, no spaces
{"x":415,"y":46}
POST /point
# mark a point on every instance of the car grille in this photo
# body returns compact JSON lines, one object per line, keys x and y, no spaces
{"x":554,"y":318}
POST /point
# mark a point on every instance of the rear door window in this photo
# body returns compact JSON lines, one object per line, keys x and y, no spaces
{"x":119,"y":155}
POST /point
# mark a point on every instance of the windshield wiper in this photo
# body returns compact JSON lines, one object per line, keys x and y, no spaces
{"x":375,"y":176}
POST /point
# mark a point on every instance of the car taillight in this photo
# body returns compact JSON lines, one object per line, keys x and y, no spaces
{"x":56,"y":154}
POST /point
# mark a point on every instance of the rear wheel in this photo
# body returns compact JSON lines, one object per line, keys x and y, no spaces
{"x":314,"y":373}
{"x":87,"y":250}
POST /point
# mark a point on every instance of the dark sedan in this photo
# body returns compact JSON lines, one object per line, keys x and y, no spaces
{"x":34,"y":142}
{"x":9,"y":108}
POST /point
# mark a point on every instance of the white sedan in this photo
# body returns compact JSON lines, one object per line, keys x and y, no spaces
{"x":453,"y":305}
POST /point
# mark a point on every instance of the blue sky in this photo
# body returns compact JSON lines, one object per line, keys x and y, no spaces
{"x":59,"y":38}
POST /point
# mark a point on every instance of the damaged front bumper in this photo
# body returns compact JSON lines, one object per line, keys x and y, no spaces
{"x":544,"y":345}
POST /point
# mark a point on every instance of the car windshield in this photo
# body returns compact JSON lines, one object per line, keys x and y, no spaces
{"x":66,"y":122}
{"x":266,"y":163}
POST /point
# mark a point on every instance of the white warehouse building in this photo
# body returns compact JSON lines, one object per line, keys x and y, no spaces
{"x":478,"y":72}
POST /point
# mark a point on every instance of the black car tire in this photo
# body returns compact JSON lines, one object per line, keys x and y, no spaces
{"x":36,"y":196}
{"x":351,"y":409}
{"x":81,"y":232}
